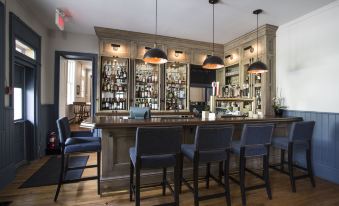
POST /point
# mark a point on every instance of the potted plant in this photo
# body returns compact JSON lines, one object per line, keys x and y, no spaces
{"x":278,"y":106}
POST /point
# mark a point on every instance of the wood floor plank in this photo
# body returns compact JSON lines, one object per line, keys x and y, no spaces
{"x":85,"y":194}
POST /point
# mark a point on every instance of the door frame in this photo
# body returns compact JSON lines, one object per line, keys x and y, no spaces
{"x":75,"y":56}
{"x":2,"y":65}
{"x":18,"y":29}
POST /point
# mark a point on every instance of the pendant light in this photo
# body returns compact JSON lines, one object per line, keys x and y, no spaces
{"x":155,"y":55}
{"x":213,"y":62}
{"x":258,"y":66}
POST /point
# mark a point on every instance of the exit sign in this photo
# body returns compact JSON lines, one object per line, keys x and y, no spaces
{"x":59,"y":19}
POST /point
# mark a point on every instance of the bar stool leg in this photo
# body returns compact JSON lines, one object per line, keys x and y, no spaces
{"x":226,"y":181}
{"x":137,"y":182}
{"x":208,"y":174}
{"x":266,"y":176}
{"x":61,"y":177}
{"x":181,"y":169}
{"x":242,"y":176}
{"x":309,"y":166}
{"x":282,"y":160}
{"x":131,"y":178}
{"x":66,"y":164}
{"x":195,"y":180}
{"x":164,"y":179}
{"x":98,"y":171}
{"x":220,"y":171}
{"x":177,"y":180}
{"x":290,"y":166}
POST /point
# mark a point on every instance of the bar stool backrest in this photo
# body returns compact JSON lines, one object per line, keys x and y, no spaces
{"x":213,"y":137}
{"x":63,"y":129}
{"x":256,"y":135}
{"x":301,"y":132}
{"x":158,"y":140}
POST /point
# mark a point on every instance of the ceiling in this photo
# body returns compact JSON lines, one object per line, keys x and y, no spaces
{"x":190,"y":19}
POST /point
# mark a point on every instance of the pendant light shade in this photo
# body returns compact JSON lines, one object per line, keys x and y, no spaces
{"x":213,"y":62}
{"x":155,"y":55}
{"x":257,"y":67}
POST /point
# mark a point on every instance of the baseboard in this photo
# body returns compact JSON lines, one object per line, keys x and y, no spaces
{"x":7,"y":175}
{"x":327,"y":173}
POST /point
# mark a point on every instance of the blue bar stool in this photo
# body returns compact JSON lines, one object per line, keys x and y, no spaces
{"x":255,"y":142}
{"x":212,"y":144}
{"x":70,"y":144}
{"x":155,"y":148}
{"x":300,"y":138}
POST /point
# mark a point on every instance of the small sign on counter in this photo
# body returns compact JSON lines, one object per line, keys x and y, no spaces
{"x":211,"y":116}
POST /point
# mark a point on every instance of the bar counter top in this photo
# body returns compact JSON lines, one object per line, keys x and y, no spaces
{"x":107,"y":122}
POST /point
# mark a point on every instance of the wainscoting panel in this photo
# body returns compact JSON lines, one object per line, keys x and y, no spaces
{"x":325,"y":143}
{"x":7,"y":168}
{"x":47,"y":124}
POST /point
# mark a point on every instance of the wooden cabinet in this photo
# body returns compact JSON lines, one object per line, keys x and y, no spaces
{"x":115,"y":47}
{"x":180,"y":55}
{"x":239,"y":54}
{"x":133,"y":45}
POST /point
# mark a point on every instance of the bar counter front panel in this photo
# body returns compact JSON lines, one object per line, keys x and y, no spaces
{"x":118,"y":135}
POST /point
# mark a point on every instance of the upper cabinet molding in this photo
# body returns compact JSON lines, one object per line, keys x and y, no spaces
{"x":265,"y":30}
{"x":139,"y":39}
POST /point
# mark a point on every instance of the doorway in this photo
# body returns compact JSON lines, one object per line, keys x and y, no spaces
{"x":75,"y":90}
{"x":24,"y":112}
{"x":25,"y":47}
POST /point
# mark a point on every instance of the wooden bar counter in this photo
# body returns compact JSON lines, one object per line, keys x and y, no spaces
{"x":118,"y":135}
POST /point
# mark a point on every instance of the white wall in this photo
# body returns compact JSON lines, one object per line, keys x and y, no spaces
{"x":308,"y":61}
{"x":63,"y":88}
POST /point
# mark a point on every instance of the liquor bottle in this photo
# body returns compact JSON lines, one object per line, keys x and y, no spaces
{"x":125,"y":74}
{"x":155,"y":104}
{"x":103,"y":103}
{"x":258,"y":100}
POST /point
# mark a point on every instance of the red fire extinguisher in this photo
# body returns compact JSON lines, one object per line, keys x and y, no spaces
{"x":52,"y":141}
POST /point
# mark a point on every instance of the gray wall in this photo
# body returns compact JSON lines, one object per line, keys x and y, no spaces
{"x":10,"y":150}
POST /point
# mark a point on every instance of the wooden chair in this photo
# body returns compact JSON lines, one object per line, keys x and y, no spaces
{"x":79,"y":111}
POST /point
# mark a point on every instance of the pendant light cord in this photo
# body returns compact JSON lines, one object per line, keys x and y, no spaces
{"x":156,"y":23}
{"x":213,"y":31}
{"x":257,"y":37}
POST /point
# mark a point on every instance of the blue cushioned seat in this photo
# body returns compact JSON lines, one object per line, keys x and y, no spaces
{"x":299,"y":145}
{"x":250,"y":151}
{"x":155,"y":148}
{"x":204,"y":156}
{"x":77,"y":140}
{"x":280,"y":142}
{"x":93,"y":146}
{"x":153,"y":161}
{"x":255,"y":141}
{"x":212,"y":144}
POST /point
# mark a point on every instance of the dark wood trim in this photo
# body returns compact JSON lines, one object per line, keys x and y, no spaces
{"x":20,"y":30}
{"x":108,"y":122}
{"x":2,"y":64}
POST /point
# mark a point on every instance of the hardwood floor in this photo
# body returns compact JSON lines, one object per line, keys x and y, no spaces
{"x":84,"y":193}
